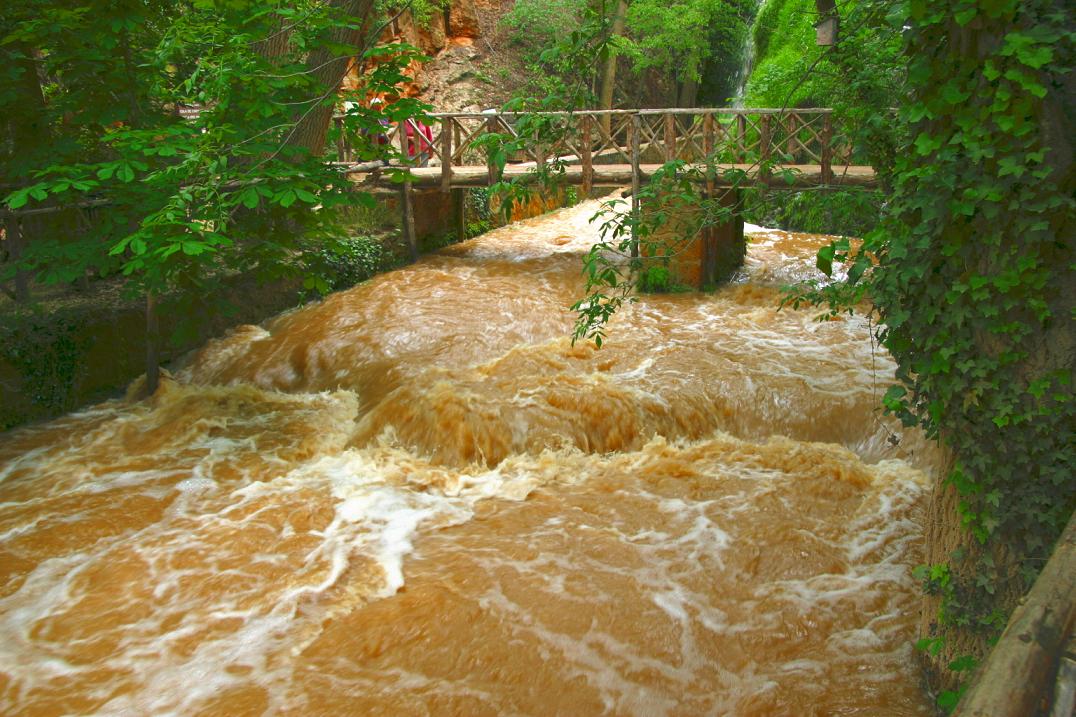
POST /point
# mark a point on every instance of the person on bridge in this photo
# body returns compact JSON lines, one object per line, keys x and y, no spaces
{"x":419,"y":142}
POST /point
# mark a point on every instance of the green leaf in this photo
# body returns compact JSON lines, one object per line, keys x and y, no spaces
{"x":926,"y":144}
{"x":947,"y":700}
{"x":824,"y":260}
{"x":18,"y":199}
{"x":250,"y":198}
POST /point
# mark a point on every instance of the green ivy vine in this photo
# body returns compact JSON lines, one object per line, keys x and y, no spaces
{"x":972,"y":275}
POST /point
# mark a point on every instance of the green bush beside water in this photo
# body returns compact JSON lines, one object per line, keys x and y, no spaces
{"x":845,"y":213}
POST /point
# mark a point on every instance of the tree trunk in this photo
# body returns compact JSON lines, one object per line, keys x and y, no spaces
{"x":689,"y":86}
{"x":275,"y":45}
{"x":29,"y":134}
{"x":13,"y":232}
{"x":608,"y":81}
{"x":328,"y":68}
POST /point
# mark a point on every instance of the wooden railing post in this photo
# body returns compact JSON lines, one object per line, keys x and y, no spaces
{"x":792,"y":131}
{"x":827,"y":150}
{"x":446,"y":154}
{"x":764,"y":138}
{"x":708,"y":135}
{"x":636,"y":130}
{"x":764,"y":147}
{"x":670,"y":136}
{"x":587,"y":159}
{"x":491,"y":169}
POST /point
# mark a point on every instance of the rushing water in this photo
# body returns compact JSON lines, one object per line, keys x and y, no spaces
{"x":418,"y":498}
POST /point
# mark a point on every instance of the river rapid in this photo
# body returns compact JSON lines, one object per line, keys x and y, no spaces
{"x":416,"y":497}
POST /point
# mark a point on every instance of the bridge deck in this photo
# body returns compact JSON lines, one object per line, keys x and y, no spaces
{"x":617,"y":175}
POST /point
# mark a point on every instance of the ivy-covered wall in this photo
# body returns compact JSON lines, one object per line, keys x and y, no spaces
{"x":973,"y":277}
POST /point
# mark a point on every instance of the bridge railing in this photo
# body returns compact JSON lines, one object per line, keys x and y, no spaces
{"x":648,"y":136}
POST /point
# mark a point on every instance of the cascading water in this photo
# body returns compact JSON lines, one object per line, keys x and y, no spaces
{"x":747,"y":61}
{"x":417,"y":497}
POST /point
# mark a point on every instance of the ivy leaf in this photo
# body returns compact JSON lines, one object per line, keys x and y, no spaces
{"x":926,"y":144}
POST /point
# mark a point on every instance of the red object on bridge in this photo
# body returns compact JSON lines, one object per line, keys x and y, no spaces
{"x":421,"y":145}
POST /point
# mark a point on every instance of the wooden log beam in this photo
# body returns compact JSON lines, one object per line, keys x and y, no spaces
{"x":808,"y":176}
{"x":730,"y":111}
{"x":1020,"y":670}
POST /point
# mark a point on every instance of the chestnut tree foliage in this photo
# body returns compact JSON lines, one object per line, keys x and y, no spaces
{"x":196,"y":130}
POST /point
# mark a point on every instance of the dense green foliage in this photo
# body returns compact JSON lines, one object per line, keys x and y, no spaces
{"x":982,"y":209}
{"x":974,"y":282}
{"x":850,"y":213}
{"x":672,"y":43}
{"x":93,"y":94}
{"x":859,"y":77}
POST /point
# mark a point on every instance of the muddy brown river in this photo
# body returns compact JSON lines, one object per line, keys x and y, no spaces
{"x":418,"y":498}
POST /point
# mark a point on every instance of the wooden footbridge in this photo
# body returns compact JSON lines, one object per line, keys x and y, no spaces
{"x":615,"y":148}
{"x":612,"y":148}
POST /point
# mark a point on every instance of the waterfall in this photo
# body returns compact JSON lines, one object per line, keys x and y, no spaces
{"x":747,"y":60}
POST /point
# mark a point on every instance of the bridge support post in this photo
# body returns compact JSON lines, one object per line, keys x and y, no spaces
{"x":724,"y":248}
{"x":459,"y":208}
{"x":693,"y":255}
{"x":407,"y":210}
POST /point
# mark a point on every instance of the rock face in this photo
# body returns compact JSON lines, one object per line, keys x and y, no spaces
{"x":463,"y":19}
{"x":471,"y":66}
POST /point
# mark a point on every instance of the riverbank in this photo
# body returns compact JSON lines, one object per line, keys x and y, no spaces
{"x":73,"y":347}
